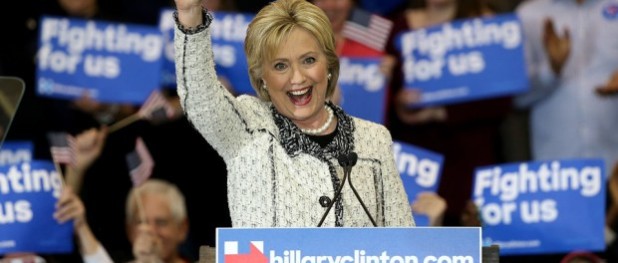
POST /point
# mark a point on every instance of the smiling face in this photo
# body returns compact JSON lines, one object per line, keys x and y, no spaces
{"x":297,"y":78}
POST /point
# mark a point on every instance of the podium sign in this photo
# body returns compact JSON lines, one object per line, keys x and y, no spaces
{"x":350,"y":245}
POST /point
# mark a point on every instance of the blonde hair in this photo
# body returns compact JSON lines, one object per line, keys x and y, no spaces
{"x":169,"y":191}
{"x":271,"y":27}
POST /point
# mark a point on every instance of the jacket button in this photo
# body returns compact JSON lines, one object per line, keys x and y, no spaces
{"x":325,"y":201}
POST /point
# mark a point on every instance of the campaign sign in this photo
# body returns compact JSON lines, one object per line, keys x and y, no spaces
{"x":465,"y":60}
{"x":110,"y":62}
{"x":542,"y":207}
{"x":228,"y":31}
{"x":168,"y":64}
{"x":358,"y":245}
{"x":420,"y":171}
{"x":28,"y":195}
{"x":14,"y":152}
{"x":363,"y":88}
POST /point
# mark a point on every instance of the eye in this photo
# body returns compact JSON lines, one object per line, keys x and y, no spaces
{"x":280,"y":66}
{"x":309,"y":60}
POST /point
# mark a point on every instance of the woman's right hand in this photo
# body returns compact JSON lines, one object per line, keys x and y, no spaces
{"x":189,"y":12}
{"x":185,"y":5}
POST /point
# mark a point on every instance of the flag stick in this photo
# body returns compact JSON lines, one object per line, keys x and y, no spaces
{"x":59,"y":170}
{"x":124,"y":122}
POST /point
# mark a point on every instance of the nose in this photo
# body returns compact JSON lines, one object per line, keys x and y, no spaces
{"x":298,"y":76}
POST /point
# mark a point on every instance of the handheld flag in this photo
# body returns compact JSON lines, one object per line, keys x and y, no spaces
{"x":156,"y":107}
{"x":140,"y":163}
{"x":368,"y":29}
{"x":62,"y":147}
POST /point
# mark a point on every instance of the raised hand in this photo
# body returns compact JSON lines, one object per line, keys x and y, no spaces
{"x":89,"y":145}
{"x":70,"y":207}
{"x":190,"y":12}
{"x":557,"y":47}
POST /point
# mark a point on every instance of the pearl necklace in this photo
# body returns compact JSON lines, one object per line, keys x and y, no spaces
{"x":324,"y":127}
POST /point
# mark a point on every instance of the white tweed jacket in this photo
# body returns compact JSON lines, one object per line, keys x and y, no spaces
{"x":276,"y":175}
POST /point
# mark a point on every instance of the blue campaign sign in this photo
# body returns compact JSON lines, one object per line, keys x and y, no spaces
{"x":380,"y":244}
{"x":28,"y":195}
{"x":363,"y":88}
{"x":14,"y":152}
{"x":543,"y":207}
{"x":465,"y":60}
{"x":168,"y":64}
{"x":420,"y":171}
{"x":228,"y":30}
{"x":110,"y":62}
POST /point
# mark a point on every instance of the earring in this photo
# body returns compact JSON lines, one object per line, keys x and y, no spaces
{"x":329,"y":75}
{"x":264,"y":86}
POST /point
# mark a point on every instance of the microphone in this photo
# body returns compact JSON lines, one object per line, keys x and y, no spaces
{"x":352,"y":158}
{"x":343,"y":161}
{"x":347,"y":162}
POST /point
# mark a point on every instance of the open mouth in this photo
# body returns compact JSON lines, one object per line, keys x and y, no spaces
{"x":301,"y":97}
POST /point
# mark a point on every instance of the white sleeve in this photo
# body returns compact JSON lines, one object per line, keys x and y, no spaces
{"x":100,"y":256}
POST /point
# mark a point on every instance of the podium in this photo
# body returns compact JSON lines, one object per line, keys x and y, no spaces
{"x":350,"y":245}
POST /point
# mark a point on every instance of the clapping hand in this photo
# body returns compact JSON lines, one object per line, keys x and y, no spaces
{"x":611,"y":87}
{"x":557,"y":47}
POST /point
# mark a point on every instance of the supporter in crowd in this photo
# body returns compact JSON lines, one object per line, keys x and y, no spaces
{"x":573,"y":68}
{"x":69,"y":210}
{"x":155,"y":212}
{"x":157,"y":222}
{"x":466,"y":134}
{"x":101,"y":166}
{"x":338,"y":12}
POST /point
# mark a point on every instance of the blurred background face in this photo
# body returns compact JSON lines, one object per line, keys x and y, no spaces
{"x":213,"y":4}
{"x":83,"y":8}
{"x":336,"y":10}
{"x":166,"y":228}
{"x":439,"y":3}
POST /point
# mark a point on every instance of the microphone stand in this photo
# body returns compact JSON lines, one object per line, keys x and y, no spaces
{"x":361,"y":202}
{"x":343,"y":161}
{"x":352,"y":158}
{"x":337,"y":196}
{"x":347,"y":161}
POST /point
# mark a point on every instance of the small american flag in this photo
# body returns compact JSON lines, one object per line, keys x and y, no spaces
{"x":368,"y":29}
{"x":62,"y":146}
{"x":140,"y":163}
{"x":156,"y":106}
